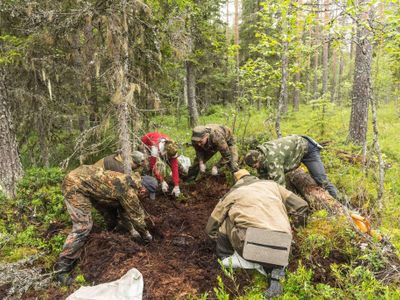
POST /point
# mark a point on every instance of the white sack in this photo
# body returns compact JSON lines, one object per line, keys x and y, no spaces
{"x":128,"y":287}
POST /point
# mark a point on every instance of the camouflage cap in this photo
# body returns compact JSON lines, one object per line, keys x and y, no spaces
{"x":198,"y":133}
{"x":137,"y":157}
{"x":252,"y":158}
{"x":241,"y":173}
{"x":171,"y":148}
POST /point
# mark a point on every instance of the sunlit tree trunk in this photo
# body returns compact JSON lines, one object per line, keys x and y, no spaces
{"x":227,"y":43}
{"x":237,"y":45}
{"x":361,"y":92}
{"x":283,"y":94}
{"x":340,"y":78}
{"x":191,"y":88}
{"x":316,"y":51}
{"x":10,"y":164}
{"x":325,"y":50}
{"x":296,"y":96}
{"x":334,"y":75}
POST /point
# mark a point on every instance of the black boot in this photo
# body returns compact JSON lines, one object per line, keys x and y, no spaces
{"x":62,"y":268}
{"x":275,"y":287}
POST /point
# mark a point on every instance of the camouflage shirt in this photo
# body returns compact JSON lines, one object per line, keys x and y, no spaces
{"x":220,"y":140}
{"x":281,"y":156}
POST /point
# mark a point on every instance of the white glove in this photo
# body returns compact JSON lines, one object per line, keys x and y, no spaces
{"x":214,"y":171}
{"x":176,"y":191}
{"x":164,"y":186}
{"x":202,"y":167}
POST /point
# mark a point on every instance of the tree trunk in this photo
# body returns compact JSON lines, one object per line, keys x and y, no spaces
{"x":10,"y":164}
{"x":296,"y":96}
{"x":283,"y":95}
{"x":334,"y":75}
{"x":191,"y":88}
{"x":316,"y":54}
{"x":325,"y":51}
{"x":378,"y":152}
{"x":316,"y":196}
{"x":226,"y":58}
{"x":340,"y":78}
{"x":361,"y":92}
{"x":122,"y":85}
{"x":237,"y":46}
{"x":44,"y":147}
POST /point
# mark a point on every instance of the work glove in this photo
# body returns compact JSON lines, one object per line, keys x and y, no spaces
{"x":214,"y":171}
{"x":164,"y":186}
{"x":274,"y":290}
{"x":176,"y":191}
{"x":202,"y":167}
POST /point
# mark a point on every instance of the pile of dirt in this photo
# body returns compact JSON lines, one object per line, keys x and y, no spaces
{"x":180,"y":261}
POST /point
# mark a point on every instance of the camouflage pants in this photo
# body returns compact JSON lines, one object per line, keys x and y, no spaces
{"x":90,"y":186}
{"x":233,"y":165}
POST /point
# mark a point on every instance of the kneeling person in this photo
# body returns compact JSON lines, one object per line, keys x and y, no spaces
{"x":208,"y":140}
{"x":253,"y":203}
{"x":89,"y":186}
{"x":275,"y":158}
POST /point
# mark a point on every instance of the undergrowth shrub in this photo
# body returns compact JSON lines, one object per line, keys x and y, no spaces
{"x":324,"y":235}
{"x":39,"y":205}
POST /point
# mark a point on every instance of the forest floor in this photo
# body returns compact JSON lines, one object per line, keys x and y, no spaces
{"x":181,"y":260}
{"x":180,"y":263}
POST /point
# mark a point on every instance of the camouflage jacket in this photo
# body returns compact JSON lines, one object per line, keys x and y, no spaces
{"x":281,"y":156}
{"x":87,"y":178}
{"x":220,"y":140}
{"x":114,"y":162}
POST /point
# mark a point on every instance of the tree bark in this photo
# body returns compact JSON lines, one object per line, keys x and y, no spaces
{"x":361,"y":92}
{"x":315,"y":195}
{"x":325,"y":51}
{"x":10,"y":164}
{"x":296,"y":96}
{"x":316,"y":52}
{"x":378,"y":152}
{"x":237,"y":46}
{"x":340,"y":78}
{"x":191,"y":89}
{"x":334,"y":75}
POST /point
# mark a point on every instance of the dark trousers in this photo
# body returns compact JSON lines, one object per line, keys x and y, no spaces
{"x":313,"y":162}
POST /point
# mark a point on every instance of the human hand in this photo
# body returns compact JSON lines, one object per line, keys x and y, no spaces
{"x":164,"y":186}
{"x":176,"y":191}
{"x":214,"y":171}
{"x":202,"y":167}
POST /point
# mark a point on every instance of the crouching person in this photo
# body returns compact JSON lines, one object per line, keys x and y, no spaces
{"x":118,"y":194}
{"x":261,"y":206}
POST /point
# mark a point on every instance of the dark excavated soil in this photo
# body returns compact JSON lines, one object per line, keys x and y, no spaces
{"x":181,"y":260}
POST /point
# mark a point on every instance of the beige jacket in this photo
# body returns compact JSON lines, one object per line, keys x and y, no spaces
{"x":256,"y":203}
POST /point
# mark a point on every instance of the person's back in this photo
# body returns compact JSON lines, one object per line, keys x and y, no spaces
{"x":287,"y":151}
{"x":260,"y":205}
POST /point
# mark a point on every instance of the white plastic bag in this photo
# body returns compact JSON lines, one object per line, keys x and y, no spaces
{"x":128,"y":287}
{"x":239,"y":262}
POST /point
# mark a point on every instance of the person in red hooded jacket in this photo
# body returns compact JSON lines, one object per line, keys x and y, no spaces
{"x":159,"y":145}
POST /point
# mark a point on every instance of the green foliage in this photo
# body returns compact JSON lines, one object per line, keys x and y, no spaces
{"x":322,"y":236}
{"x":38,"y":205}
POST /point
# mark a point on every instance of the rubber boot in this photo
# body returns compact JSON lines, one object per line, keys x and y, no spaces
{"x":63,"y":267}
{"x":275,"y":288}
{"x":147,"y":237}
